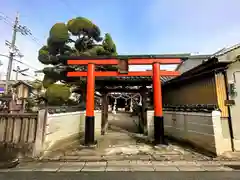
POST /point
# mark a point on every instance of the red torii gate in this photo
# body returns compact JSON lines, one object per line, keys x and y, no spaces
{"x":156,"y":73}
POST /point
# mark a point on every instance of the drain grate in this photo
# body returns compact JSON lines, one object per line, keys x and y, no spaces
{"x":235,"y":167}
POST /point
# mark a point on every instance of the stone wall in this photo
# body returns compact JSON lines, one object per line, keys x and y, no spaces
{"x":64,"y":129}
{"x":203,"y":130}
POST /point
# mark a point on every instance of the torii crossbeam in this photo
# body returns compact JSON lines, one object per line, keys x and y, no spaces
{"x":156,"y":73}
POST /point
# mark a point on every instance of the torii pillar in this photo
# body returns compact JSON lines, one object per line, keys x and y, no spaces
{"x":90,"y":120}
{"x":158,"y":112}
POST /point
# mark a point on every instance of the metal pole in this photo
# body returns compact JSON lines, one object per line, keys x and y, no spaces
{"x":11,"y":53}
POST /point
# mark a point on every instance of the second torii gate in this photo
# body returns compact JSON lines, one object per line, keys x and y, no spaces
{"x":156,"y":73}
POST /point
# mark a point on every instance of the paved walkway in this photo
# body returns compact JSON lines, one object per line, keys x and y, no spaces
{"x":120,"y":175}
{"x":123,"y":166}
{"x":122,"y":143}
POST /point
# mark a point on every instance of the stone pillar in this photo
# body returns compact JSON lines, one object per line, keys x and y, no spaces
{"x":114,"y":106}
{"x":144,"y":109}
{"x":40,"y":133}
{"x":140,"y":100}
{"x":150,"y":125}
{"x":104,"y":124}
{"x":221,"y":144}
{"x":126,"y":104}
{"x":131,"y":106}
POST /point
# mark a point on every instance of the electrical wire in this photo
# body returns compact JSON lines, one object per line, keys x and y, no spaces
{"x":10,"y":21}
{"x":73,"y":11}
{"x":20,"y":62}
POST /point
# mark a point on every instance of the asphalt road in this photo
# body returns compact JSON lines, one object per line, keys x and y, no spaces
{"x":120,"y":175}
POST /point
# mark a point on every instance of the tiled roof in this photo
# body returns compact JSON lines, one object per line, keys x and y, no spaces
{"x":130,"y":81}
{"x":195,"y":57}
{"x":23,"y":82}
{"x":226,"y":50}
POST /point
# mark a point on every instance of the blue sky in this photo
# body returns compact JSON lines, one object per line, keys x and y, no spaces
{"x":137,"y":26}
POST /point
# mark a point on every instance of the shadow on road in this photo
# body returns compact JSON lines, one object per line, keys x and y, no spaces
{"x":8,"y":156}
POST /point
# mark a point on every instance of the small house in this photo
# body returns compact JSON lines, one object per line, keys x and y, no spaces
{"x":21,"y":93}
{"x":23,"y":89}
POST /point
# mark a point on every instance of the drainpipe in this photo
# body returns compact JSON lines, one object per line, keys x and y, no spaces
{"x":234,"y":75}
{"x":229,"y":110}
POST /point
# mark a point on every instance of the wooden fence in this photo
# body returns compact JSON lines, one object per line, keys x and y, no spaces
{"x":18,"y":130}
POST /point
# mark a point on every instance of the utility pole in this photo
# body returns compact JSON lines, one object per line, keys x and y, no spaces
{"x":11,"y":52}
{"x":0,"y":70}
{"x":18,"y":70}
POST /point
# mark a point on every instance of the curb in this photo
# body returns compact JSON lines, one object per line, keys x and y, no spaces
{"x":130,"y":166}
{"x":133,"y":160}
{"x":114,"y":158}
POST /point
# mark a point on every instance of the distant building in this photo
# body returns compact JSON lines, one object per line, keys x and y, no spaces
{"x":39,"y":75}
{"x":1,"y":90}
{"x":23,"y":89}
{"x":211,"y":81}
{"x":3,"y":85}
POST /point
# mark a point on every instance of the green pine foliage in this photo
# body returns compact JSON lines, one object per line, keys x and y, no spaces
{"x":77,"y":37}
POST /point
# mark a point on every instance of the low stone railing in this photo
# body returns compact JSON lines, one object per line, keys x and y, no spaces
{"x":64,"y":129}
{"x":191,"y":107}
{"x":202,"y":129}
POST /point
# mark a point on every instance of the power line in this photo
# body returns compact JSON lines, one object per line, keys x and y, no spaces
{"x":24,"y":30}
{"x":5,"y":18}
{"x":13,"y":51}
{"x":21,"y":71}
{"x":20,"y":62}
{"x":24,"y":74}
{"x":65,"y":2}
{"x":28,"y":75}
{"x":19,"y":28}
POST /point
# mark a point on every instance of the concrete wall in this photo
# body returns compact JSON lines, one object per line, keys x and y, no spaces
{"x":64,"y":129}
{"x":203,"y":130}
{"x":233,"y":75}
